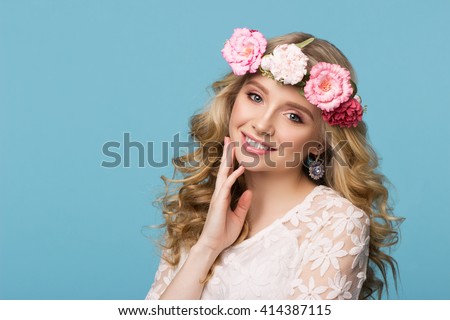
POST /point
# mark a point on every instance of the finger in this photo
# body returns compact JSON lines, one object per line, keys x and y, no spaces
{"x":224,"y":169}
{"x":220,"y":172}
{"x":226,"y":186}
{"x":243,"y":205}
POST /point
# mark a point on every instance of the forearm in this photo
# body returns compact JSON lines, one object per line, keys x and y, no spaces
{"x":187,"y":284}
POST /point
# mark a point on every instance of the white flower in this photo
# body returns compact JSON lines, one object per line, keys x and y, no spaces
{"x":269,"y":239}
{"x":348,"y":220}
{"x":228,"y":258}
{"x":279,"y":261}
{"x":215,"y":287}
{"x":154,"y":293}
{"x":331,"y":202}
{"x":214,"y":281}
{"x":165,"y":272}
{"x":310,"y":292}
{"x":362,"y":277}
{"x":287,"y":63}
{"x":361,"y":249}
{"x":340,"y":287}
{"x":295,"y":220}
{"x":305,"y":251}
{"x":302,"y":216}
{"x":251,"y":279}
{"x":319,"y":222}
{"x":326,"y":255}
{"x":163,"y":266}
{"x":296,"y":283}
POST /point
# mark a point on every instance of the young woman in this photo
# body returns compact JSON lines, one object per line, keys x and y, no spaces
{"x":282,"y":200}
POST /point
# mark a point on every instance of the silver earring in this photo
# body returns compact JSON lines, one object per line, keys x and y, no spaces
{"x":316,"y":169}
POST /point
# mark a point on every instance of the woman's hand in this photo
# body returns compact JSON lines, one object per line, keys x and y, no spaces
{"x":223,"y":225}
{"x":221,"y":229}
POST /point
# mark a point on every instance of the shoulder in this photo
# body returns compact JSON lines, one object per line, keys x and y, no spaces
{"x":328,"y":199}
{"x":336,"y":214}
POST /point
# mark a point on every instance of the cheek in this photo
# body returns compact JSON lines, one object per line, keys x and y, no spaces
{"x":299,"y":141}
{"x":239,"y":114}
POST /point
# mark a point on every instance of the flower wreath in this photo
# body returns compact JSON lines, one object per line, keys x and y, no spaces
{"x":328,"y":86}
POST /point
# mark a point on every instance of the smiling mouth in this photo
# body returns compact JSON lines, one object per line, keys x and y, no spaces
{"x":256,"y":145}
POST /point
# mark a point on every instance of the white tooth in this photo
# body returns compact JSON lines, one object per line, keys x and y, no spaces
{"x":255,"y":144}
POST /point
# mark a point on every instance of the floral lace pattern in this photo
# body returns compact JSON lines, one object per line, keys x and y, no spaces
{"x":318,"y":250}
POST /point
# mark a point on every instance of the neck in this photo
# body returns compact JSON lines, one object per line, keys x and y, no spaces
{"x":274,"y":193}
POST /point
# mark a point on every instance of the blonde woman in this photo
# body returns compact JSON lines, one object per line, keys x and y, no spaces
{"x":282,"y":200}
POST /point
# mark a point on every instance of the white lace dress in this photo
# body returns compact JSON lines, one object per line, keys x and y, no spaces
{"x":317,"y":250}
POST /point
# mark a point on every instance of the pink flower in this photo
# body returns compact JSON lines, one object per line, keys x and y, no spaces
{"x":328,"y":86}
{"x":347,"y":114}
{"x":244,"y":50}
{"x":287,"y":64}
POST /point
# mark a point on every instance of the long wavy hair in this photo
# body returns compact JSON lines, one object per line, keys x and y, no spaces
{"x":186,"y":199}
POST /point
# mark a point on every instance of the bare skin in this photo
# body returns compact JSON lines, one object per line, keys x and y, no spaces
{"x":263,"y":109}
{"x":222,"y":227}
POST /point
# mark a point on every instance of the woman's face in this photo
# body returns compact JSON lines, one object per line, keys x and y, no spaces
{"x":272,"y":126}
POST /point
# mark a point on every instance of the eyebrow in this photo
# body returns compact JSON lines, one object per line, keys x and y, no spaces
{"x":257,"y":84}
{"x":290,"y":103}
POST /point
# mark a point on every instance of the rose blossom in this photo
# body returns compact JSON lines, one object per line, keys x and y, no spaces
{"x":328,"y":86}
{"x":287,"y":63}
{"x":346,"y":115}
{"x":244,"y":50}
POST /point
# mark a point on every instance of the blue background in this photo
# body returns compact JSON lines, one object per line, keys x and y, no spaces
{"x":77,"y":74}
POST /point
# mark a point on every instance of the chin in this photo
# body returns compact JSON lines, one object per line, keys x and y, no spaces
{"x":255,"y":163}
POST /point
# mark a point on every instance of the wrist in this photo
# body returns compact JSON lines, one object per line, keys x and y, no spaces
{"x":203,"y":251}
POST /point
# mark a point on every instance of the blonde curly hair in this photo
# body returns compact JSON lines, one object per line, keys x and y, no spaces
{"x":186,"y":200}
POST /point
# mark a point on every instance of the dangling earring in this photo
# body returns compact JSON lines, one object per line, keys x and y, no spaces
{"x":316,"y":168}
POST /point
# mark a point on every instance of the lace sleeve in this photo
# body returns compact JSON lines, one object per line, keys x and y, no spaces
{"x":163,"y":277}
{"x":335,"y":254}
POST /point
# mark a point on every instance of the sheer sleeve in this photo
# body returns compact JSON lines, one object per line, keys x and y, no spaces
{"x":163,"y":277}
{"x":335,"y":252}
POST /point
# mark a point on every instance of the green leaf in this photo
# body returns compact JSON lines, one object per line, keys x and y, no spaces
{"x":304,"y":43}
{"x":266,"y":73}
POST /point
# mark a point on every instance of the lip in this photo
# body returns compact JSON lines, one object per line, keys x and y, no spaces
{"x":251,"y":149}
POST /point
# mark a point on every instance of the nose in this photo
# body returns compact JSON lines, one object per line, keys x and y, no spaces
{"x":263,"y":125}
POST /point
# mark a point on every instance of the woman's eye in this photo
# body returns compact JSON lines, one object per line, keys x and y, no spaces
{"x":294,"y":117}
{"x":255,"y":97}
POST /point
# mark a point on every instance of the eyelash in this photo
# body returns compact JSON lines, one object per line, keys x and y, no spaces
{"x":252,"y":95}
{"x":298,"y":117}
